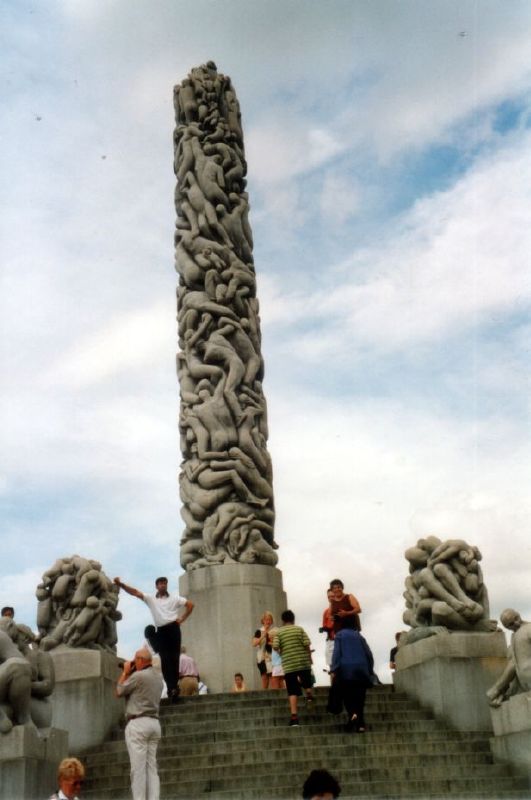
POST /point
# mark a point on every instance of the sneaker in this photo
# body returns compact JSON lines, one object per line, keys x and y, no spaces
{"x":310,"y":705}
{"x":293,"y":721}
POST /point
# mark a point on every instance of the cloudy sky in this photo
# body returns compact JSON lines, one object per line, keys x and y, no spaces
{"x":389,"y":151}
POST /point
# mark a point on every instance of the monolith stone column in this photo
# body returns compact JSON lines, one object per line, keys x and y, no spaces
{"x":228,"y":547}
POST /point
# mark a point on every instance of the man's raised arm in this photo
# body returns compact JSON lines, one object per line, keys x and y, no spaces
{"x":128,"y":589}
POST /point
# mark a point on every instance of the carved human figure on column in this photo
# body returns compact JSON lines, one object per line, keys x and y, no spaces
{"x":223,"y":418}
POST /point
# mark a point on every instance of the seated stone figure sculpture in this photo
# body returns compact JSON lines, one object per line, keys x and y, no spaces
{"x":445,"y":589}
{"x":15,"y":685}
{"x":516,"y":677}
{"x":42,"y":674}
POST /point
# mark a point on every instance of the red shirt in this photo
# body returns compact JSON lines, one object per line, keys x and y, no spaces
{"x":328,"y":623}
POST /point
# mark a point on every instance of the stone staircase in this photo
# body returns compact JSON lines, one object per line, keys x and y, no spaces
{"x":239,"y":747}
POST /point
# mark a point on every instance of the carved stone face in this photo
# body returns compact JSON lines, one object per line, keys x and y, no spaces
{"x":511,"y":619}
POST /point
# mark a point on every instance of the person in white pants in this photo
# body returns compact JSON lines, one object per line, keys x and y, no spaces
{"x":141,"y":686}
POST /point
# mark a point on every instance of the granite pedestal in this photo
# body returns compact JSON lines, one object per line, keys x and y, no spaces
{"x":29,"y":761}
{"x":84,"y":701}
{"x":229,"y":601}
{"x":450,"y":673}
{"x":512,"y":731}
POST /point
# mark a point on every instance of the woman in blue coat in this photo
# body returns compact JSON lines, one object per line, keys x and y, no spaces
{"x":352,"y":667}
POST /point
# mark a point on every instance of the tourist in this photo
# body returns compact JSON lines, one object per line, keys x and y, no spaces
{"x":141,"y":686}
{"x":293,"y":644}
{"x":169,"y":611}
{"x":239,"y":683}
{"x":328,"y":628}
{"x":352,"y":669}
{"x":8,"y":611}
{"x":70,"y":777}
{"x":320,"y":785}
{"x":188,"y":675}
{"x":276,"y":680}
{"x":343,"y":605}
{"x":262,"y":640}
{"x":276,"y":675}
{"x":394,"y":651}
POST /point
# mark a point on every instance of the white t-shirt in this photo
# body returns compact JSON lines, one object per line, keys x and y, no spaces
{"x":165,"y":609}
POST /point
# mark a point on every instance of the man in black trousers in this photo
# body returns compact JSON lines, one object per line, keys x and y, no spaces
{"x":169,"y":611}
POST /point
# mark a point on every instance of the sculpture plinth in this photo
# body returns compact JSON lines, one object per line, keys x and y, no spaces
{"x":229,"y":601}
{"x":512,"y":731}
{"x":449,"y":673}
{"x":226,"y":479}
{"x":28,"y":762}
{"x":84,"y":701}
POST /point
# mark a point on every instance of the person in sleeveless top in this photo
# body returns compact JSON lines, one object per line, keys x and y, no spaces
{"x":343,"y":605}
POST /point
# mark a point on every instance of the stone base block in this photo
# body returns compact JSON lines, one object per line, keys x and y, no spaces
{"x":84,"y":702}
{"x":29,"y":761}
{"x":450,"y":673}
{"x":512,"y":731}
{"x":229,"y":601}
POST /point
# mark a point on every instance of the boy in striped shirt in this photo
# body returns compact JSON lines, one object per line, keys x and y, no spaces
{"x":293,"y":644}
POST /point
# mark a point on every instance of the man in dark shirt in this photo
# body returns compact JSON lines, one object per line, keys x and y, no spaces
{"x":344,"y":605}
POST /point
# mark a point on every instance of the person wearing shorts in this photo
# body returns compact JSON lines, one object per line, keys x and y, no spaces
{"x":293,"y":644}
{"x":262,"y":641}
{"x":277,"y":672}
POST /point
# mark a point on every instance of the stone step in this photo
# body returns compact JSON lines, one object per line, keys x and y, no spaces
{"x":280,"y":712}
{"x":272,"y":761}
{"x":292,"y":788}
{"x":327,"y":724}
{"x":239,"y":747}
{"x":254,"y":752}
{"x":266,"y":697}
{"x":282,"y":786}
{"x":270,"y":697}
{"x":307,"y":727}
{"x":288,"y":738}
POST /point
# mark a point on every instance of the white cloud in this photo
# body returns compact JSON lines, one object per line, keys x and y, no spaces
{"x":455,"y":258}
{"x":129,"y":341}
{"x":340,"y":199}
{"x":358,"y":482}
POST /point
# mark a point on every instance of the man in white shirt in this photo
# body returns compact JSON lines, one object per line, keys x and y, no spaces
{"x":169,"y":611}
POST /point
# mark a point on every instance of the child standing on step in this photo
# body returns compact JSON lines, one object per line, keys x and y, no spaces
{"x":293,"y":644}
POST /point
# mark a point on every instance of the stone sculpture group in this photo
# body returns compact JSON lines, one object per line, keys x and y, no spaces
{"x":444,"y":589}
{"x":226,"y":475}
{"x":76,"y":608}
